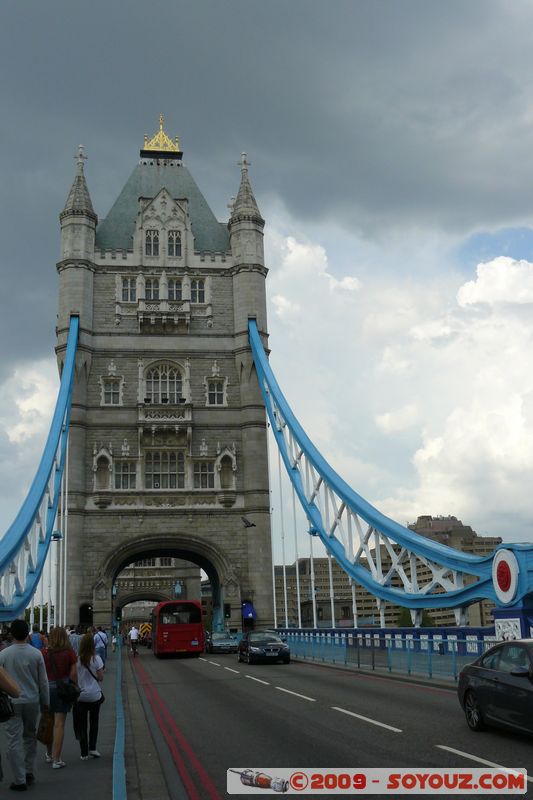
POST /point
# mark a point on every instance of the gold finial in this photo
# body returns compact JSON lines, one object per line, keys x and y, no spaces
{"x":161,"y":141}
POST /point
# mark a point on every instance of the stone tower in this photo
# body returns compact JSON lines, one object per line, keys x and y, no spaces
{"x":168,"y":452}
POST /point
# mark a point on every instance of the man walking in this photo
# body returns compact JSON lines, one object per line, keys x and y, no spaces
{"x":100,"y":643}
{"x":25,"y":664}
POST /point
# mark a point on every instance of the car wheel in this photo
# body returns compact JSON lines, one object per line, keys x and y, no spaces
{"x":239,"y":658}
{"x":474,"y":718}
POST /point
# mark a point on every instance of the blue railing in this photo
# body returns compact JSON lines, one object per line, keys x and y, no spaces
{"x":386,"y":652}
{"x":24,"y":547}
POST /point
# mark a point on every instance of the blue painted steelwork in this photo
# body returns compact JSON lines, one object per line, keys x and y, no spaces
{"x":24,"y":547}
{"x":312,"y":478}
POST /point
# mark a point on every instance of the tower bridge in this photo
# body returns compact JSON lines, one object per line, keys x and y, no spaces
{"x":158,"y":446}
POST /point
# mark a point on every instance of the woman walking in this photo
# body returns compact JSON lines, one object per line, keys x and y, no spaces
{"x":87,"y":710}
{"x":60,"y":660}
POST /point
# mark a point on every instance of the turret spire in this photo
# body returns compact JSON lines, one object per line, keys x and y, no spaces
{"x":245,"y":205}
{"x":79,"y":199}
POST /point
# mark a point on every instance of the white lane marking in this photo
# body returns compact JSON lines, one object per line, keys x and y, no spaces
{"x":214,"y":663}
{"x":202,"y":659}
{"x":303,"y":696}
{"x":257,"y":679}
{"x":232,"y":670}
{"x":479,"y":760}
{"x":367,"y":719}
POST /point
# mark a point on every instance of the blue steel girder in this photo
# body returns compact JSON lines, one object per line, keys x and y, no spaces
{"x":392,"y":562}
{"x":25,"y":545}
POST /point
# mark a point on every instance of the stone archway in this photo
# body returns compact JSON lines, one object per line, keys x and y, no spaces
{"x":224,"y":580}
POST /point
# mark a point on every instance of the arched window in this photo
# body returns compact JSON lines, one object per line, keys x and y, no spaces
{"x":198,"y":291}
{"x":151,"y":289}
{"x":174,"y":289}
{"x":174,"y":243}
{"x":163,"y":384}
{"x":152,"y":243}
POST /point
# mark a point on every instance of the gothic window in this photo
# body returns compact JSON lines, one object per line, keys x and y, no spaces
{"x":174,"y":243}
{"x":165,"y":561}
{"x":129,"y":291}
{"x":164,"y":470}
{"x":204,"y":475}
{"x":111,"y":391}
{"x":125,"y":473}
{"x":174,"y":289}
{"x":152,"y":243}
{"x":145,"y":562}
{"x":215,"y":393}
{"x":163,"y":384}
{"x":198,"y":291}
{"x":151,"y":291}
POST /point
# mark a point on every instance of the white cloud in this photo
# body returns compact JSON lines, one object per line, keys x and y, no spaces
{"x":398,"y":420}
{"x":449,"y":390}
{"x":501,"y":280}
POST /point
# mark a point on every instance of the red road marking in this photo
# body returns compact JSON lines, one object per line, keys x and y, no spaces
{"x":154,"y":699}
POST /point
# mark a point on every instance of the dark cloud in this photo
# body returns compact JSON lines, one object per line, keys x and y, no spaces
{"x":376,"y":115}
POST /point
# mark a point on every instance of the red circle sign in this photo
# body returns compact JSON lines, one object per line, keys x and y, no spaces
{"x":503,"y":576}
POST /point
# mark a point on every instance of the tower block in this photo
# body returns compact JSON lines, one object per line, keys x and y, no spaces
{"x":168,"y":447}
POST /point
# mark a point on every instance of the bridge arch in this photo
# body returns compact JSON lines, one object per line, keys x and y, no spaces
{"x":205,"y":553}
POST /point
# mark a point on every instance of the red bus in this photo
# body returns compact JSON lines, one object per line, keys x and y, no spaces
{"x":177,"y":628}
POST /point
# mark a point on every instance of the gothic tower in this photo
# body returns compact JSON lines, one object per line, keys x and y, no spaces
{"x":168,"y":452}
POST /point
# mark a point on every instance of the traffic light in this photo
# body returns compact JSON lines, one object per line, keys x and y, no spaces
{"x":118,"y":614}
{"x":227,"y":610}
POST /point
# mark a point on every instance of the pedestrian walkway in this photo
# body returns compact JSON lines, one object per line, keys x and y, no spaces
{"x":79,"y":780}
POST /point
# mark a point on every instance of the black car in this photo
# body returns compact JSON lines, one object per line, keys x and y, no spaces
{"x":497,"y":689}
{"x":263,"y":646}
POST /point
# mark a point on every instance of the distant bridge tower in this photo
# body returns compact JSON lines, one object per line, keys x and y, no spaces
{"x":168,"y":433}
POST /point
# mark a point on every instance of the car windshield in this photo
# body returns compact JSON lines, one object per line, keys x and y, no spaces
{"x":218,"y":637}
{"x":266,"y":636}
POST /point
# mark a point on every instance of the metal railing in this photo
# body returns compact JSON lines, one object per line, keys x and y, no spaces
{"x":439,"y":659}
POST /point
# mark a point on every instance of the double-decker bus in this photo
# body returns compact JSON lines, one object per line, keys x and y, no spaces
{"x":177,"y":628}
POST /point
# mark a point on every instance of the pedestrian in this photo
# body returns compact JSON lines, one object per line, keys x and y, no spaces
{"x":87,"y":709}
{"x":133,"y":636}
{"x":37,"y":639}
{"x":60,"y":660}
{"x":25,"y":665}
{"x":75,"y":638}
{"x":114,"y":642}
{"x":100,"y":644}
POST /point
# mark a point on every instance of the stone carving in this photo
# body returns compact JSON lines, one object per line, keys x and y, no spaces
{"x":215,"y":370}
{"x":112,"y":368}
{"x":125,"y":448}
{"x":204,"y":448}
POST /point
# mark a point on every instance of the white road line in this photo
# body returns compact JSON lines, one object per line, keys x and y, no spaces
{"x":232,"y":670}
{"x":367,"y":719}
{"x":257,"y":679}
{"x":215,"y":664}
{"x":479,"y":760}
{"x":303,"y":696}
{"x":202,"y":659}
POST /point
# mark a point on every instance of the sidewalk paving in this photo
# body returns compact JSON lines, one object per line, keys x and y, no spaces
{"x":79,"y":780}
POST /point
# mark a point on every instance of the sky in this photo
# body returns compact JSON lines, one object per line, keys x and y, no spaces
{"x":390,"y":146}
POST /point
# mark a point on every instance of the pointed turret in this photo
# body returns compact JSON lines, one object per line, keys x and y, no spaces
{"x":79,"y":199}
{"x":245,"y":205}
{"x":78,"y":220}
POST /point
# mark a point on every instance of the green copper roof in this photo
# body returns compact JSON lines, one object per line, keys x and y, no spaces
{"x":115,"y":232}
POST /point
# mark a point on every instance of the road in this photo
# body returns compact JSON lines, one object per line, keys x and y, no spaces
{"x":216,"y":714}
